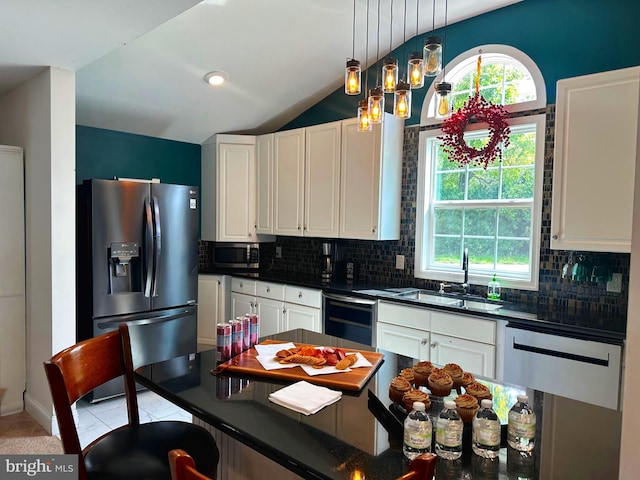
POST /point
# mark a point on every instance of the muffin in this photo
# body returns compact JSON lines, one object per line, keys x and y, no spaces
{"x":408,"y":374}
{"x":467,"y":378}
{"x":398,"y":387}
{"x":466,"y":406}
{"x":455,"y":372}
{"x":421,"y":372}
{"x":478,"y":390}
{"x":415,"y":395}
{"x":440,"y":383}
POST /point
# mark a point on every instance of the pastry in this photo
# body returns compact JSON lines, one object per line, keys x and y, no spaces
{"x":440,"y":383}
{"x":415,"y":395}
{"x":455,"y":372}
{"x":421,"y":372}
{"x":466,"y":406}
{"x":478,"y":390}
{"x":304,"y":359}
{"x":398,"y":387}
{"x":408,"y":374}
{"x":467,"y":378}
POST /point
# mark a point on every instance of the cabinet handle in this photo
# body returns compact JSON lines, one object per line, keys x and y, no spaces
{"x":299,"y":294}
{"x":434,"y":344}
{"x":241,"y":285}
{"x":373,"y":230}
{"x":423,"y":341}
{"x":284,"y":310}
{"x":298,"y":227}
{"x":555,"y":237}
{"x":219,"y":282}
{"x":268,"y":289}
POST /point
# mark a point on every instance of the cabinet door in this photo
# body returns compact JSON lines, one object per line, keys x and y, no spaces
{"x":270,"y":314}
{"x":322,"y":180}
{"x":473,"y":357}
{"x":236,"y":190}
{"x":594,"y":161}
{"x":241,"y":304}
{"x":405,"y":341}
{"x":288,"y":182}
{"x":209,"y":299}
{"x":300,"y":316}
{"x":264,"y":184}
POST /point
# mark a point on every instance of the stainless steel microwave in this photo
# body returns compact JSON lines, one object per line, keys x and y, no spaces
{"x":241,"y":256}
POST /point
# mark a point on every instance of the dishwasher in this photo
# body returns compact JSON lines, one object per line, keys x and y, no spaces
{"x":585,"y":370}
{"x":351,"y":318}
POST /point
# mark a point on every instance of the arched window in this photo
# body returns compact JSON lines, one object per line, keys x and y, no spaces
{"x":493,"y":212}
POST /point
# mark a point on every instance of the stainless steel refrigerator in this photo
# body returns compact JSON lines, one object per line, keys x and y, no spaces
{"x":137,"y":261}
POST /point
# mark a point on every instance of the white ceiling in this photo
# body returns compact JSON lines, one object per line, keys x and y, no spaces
{"x":140,"y":64}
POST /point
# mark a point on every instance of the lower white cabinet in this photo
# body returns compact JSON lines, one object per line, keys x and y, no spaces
{"x":409,"y":342}
{"x":270,"y":314}
{"x":212,"y":304}
{"x":241,"y":304}
{"x":301,"y":316}
{"x":473,"y":357}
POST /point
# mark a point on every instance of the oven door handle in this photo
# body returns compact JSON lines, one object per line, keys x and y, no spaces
{"x":347,"y":299}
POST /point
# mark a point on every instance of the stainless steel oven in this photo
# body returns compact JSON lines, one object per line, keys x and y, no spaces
{"x":240,"y":256}
{"x":351,"y":318}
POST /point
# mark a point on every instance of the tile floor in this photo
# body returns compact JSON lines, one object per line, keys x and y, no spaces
{"x":96,"y":419}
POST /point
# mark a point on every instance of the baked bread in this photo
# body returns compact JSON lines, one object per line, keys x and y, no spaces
{"x":421,"y":372}
{"x":397,"y":388}
{"x":415,"y":395}
{"x":466,"y":406}
{"x":440,"y":383}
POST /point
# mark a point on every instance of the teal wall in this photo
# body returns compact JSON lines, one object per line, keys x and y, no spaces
{"x":565,"y":38}
{"x":107,"y":154}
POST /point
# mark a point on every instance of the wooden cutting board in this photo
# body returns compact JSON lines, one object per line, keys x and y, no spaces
{"x":247,"y":364}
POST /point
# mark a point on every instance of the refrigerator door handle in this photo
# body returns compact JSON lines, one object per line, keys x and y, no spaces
{"x":157,"y":242}
{"x":145,"y":321}
{"x":148,"y":248}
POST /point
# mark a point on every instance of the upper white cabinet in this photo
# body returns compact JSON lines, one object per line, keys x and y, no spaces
{"x":307,"y":181}
{"x":229,"y":189}
{"x":594,"y":161}
{"x":264,"y":184}
{"x":371,"y":180}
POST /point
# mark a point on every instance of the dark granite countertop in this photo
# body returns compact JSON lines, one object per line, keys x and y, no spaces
{"x":362,"y":431}
{"x":540,"y":317}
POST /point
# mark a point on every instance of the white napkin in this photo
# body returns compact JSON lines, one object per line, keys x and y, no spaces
{"x":305,"y":398}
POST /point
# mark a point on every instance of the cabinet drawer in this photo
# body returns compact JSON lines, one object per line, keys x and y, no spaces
{"x":303,"y":296}
{"x":270,"y":290}
{"x":463,"y":326}
{"x":243,"y":285}
{"x":405,"y":316}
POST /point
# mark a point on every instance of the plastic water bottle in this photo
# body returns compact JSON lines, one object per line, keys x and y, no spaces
{"x":449,"y":432}
{"x":417,"y":432}
{"x":486,"y":431}
{"x":521,"y":431}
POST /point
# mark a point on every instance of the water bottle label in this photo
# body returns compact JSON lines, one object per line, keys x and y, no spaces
{"x":417,"y":439}
{"x":448,"y":438}
{"x":490,"y":438}
{"x":522,"y":430}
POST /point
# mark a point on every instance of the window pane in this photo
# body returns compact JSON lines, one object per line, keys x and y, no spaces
{"x":449,"y":186}
{"x":491,"y":74}
{"x":518,"y":182}
{"x":481,"y":221}
{"x":515,"y":222}
{"x":492,"y":94}
{"x":481,"y":253}
{"x":521,"y":149}
{"x":513,"y":255}
{"x":446,"y":250}
{"x":442,"y":160}
{"x":448,"y":221}
{"x":483,"y":184}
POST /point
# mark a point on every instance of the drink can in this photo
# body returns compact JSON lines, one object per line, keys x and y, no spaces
{"x":245,"y":332}
{"x":236,"y":337}
{"x":254,"y":328}
{"x":223,"y":340}
{"x":223,"y":387}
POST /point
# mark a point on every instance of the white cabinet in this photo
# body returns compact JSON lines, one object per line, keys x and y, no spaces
{"x":212,"y":303}
{"x":474,"y":357}
{"x":371,"y":180}
{"x":12,"y":280}
{"x":270,"y":313}
{"x":288,"y":182}
{"x":405,"y":341}
{"x":264,"y":184}
{"x":596,"y":132}
{"x":302,"y":309}
{"x":243,"y":296}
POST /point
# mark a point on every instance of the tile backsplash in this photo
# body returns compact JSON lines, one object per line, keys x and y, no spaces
{"x":376,"y":259}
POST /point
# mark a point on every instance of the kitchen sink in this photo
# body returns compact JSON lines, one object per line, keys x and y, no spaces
{"x":461,"y":300}
{"x":477,"y":305}
{"x":430,"y":297}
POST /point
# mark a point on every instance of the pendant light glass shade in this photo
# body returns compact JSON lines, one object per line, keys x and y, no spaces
{"x":389,"y":74}
{"x":432,"y":56}
{"x":402,"y":100}
{"x":376,"y":105}
{"x":364,"y":122}
{"x":443,"y":99}
{"x":352,"y":75}
{"x":415,"y":70}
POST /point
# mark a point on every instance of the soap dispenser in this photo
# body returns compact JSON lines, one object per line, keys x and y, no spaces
{"x":493,"y":289}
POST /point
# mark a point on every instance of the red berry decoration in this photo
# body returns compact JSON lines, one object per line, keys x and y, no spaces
{"x":476,"y":108}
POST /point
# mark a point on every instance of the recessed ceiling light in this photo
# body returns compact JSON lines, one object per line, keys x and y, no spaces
{"x":215,"y":78}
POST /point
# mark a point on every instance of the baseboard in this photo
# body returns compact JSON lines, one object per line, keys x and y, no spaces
{"x":41,"y":414}
{"x":9,"y":408}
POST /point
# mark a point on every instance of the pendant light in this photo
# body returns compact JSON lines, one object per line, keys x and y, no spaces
{"x":353,"y":71}
{"x":390,"y":64}
{"x":376,"y":97}
{"x":364,"y":120}
{"x":415,"y":67}
{"x":402,"y":94}
{"x":443,"y":89}
{"x":432,"y":51}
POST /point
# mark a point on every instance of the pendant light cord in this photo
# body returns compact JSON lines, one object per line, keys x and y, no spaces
{"x":353,"y":51}
{"x":378,"y":46}
{"x":391,"y":29}
{"x":444,"y":42}
{"x":433,"y":17}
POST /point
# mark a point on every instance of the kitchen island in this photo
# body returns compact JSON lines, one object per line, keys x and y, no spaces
{"x":360,"y":434}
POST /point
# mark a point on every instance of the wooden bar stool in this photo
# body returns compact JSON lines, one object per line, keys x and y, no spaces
{"x":183,"y":466}
{"x":133,"y":451}
{"x":422,"y":467}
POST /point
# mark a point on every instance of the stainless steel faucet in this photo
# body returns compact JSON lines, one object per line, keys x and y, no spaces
{"x":464,"y":286}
